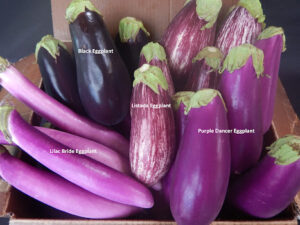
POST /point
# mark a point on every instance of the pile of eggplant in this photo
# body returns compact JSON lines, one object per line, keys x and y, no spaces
{"x":176,"y":124}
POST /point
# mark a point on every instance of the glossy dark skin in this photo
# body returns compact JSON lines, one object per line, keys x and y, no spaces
{"x":130,"y":50}
{"x":103,"y":80}
{"x":59,"y":78}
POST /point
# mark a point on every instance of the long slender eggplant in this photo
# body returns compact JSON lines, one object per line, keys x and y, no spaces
{"x":192,"y":29}
{"x":272,"y":42}
{"x":58,"y":71}
{"x":154,"y":54}
{"x":102,"y":77}
{"x":58,"y":114}
{"x":272,"y":184}
{"x":205,"y":69}
{"x":57,"y":192}
{"x":78,"y":169}
{"x":152,"y":140}
{"x":202,"y":165}
{"x":130,"y":40}
{"x":242,"y":25}
{"x":240,"y":87}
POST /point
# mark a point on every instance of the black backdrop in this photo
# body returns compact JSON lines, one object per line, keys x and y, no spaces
{"x":24,"y":22}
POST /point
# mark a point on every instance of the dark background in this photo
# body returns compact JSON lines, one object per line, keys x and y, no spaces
{"x":24,"y":22}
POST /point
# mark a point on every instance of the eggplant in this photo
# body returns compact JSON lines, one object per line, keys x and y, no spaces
{"x":154,"y":54}
{"x":92,"y":176}
{"x":192,"y":29}
{"x":269,"y":187}
{"x":58,"y":71}
{"x":242,"y":25}
{"x":152,"y":138}
{"x":202,"y":165}
{"x":272,"y":42}
{"x":130,"y":40}
{"x":57,"y":192}
{"x":58,"y":114}
{"x":205,"y":69}
{"x":241,"y":89}
{"x":103,"y":80}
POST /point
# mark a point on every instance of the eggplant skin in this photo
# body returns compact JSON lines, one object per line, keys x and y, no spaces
{"x":130,"y":51}
{"x":202,"y":167}
{"x":152,"y":139}
{"x":103,"y":80}
{"x":59,"y":78}
{"x":267,"y":189}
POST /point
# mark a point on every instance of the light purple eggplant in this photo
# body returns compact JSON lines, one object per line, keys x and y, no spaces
{"x":242,"y":25}
{"x":205,"y":69}
{"x":272,"y":42}
{"x":241,"y":89}
{"x":269,"y":187}
{"x":152,"y":139}
{"x":154,"y":54}
{"x":57,"y":192}
{"x":192,"y":29}
{"x":202,"y":164}
{"x":55,"y":112}
{"x":78,"y":169}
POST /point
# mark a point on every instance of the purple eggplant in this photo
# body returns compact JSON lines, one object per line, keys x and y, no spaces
{"x":272,"y":42}
{"x":192,"y":29}
{"x":57,"y":192}
{"x":240,"y":88}
{"x":130,"y":40}
{"x":152,"y":139}
{"x":103,"y":79}
{"x":58,"y":71}
{"x":242,"y":25}
{"x":202,"y":164}
{"x":205,"y":69}
{"x":269,"y":187}
{"x":154,"y":54}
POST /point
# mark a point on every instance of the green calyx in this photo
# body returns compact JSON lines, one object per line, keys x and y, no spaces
{"x":209,"y":11}
{"x":154,"y":50}
{"x":51,"y":44}
{"x":3,"y":64}
{"x":212,"y":56}
{"x":79,"y":6}
{"x":238,"y":56}
{"x":271,"y":32}
{"x":152,"y":76}
{"x":181,"y":97}
{"x":285,"y":150}
{"x":196,"y":99}
{"x":5,"y":111}
{"x":254,"y":8}
{"x":129,"y":28}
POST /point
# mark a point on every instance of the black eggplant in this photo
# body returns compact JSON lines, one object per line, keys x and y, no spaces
{"x":131,"y":38}
{"x":103,"y":80}
{"x":58,"y":71}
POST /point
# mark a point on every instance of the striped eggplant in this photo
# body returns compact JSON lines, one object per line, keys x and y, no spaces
{"x":192,"y":29}
{"x":103,"y":80}
{"x":57,"y":192}
{"x":58,"y":71}
{"x":152,"y":139}
{"x":269,"y":187}
{"x":154,"y":54}
{"x":242,"y":25}
{"x":202,"y":165}
{"x":205,"y":69}
{"x":272,"y":42}
{"x":131,"y":38}
{"x":240,"y":88}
